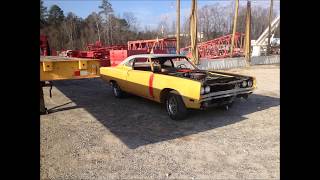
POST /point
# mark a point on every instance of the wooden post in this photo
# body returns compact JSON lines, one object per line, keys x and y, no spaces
{"x":269,"y":35}
{"x":178,"y":27}
{"x":247,"y":46}
{"x":194,"y":32}
{"x":234,"y":27}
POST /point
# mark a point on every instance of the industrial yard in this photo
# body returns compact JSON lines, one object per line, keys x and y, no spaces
{"x":175,"y":90}
{"x":97,"y":136}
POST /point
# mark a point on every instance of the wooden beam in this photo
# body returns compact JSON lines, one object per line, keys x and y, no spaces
{"x":234,"y":27}
{"x":194,"y":32}
{"x":178,"y":27}
{"x":247,"y":46}
{"x":270,"y":19}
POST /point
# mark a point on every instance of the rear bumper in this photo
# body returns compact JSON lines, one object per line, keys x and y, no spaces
{"x":223,"y":97}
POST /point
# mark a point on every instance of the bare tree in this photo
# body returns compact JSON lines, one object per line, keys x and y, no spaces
{"x":131,"y":20}
{"x":106,"y":13}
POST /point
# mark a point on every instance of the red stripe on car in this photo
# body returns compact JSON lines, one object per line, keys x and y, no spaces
{"x":151,"y":85}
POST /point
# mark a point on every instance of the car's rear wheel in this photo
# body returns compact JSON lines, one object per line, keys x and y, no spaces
{"x":175,"y":106}
{"x":117,"y":92}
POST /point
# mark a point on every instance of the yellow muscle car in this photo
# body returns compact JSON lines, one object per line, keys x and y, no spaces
{"x":173,"y":80}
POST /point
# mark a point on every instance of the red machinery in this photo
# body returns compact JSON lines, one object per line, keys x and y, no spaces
{"x":167,"y":44}
{"x":113,"y":55}
{"x":156,"y":46}
{"x":219,"y":47}
{"x":44,"y":47}
{"x":117,"y":56}
{"x":95,"y":51}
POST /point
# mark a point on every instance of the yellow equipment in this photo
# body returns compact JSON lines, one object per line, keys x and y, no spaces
{"x":60,"y":68}
{"x":54,"y":68}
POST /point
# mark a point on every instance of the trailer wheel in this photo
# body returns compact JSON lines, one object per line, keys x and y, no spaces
{"x":117,"y":92}
{"x":175,"y":106}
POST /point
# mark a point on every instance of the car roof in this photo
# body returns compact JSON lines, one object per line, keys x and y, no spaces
{"x":150,"y":56}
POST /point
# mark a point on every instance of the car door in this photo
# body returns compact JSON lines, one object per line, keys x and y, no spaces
{"x":139,"y":79}
{"x":120,"y":73}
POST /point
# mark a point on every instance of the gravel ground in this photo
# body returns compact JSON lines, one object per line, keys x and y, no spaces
{"x":96,"y":136}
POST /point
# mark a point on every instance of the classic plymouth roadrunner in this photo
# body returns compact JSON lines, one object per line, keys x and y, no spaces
{"x":173,"y":80}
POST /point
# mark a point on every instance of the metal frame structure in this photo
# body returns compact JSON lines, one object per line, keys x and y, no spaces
{"x":168,"y":44}
{"x":260,"y":45}
{"x":220,"y":47}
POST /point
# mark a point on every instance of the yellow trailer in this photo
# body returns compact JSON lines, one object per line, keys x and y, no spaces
{"x":61,"y":68}
{"x":53,"y":68}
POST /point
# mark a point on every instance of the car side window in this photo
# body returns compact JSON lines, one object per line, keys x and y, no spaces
{"x":129,"y":63}
{"x":141,"y":64}
{"x":167,"y":63}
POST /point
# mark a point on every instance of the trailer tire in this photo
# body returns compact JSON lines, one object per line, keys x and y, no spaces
{"x":175,"y":107}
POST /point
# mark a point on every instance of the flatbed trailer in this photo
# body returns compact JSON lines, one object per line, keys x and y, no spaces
{"x":54,"y":68}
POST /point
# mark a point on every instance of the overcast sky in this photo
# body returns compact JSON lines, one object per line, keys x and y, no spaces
{"x":148,"y":12}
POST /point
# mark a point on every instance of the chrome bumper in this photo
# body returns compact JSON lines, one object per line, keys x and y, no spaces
{"x":228,"y":93}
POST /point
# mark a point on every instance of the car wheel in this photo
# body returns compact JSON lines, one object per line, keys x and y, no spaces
{"x":116,"y":90}
{"x":226,"y":106}
{"x":176,"y":108}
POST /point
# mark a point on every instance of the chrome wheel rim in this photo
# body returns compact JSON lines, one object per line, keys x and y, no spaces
{"x":115,"y":91}
{"x":172,"y":105}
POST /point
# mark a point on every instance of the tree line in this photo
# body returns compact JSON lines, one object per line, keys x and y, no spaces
{"x":72,"y":32}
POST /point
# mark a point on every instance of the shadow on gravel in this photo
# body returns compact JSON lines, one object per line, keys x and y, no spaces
{"x":137,"y":121}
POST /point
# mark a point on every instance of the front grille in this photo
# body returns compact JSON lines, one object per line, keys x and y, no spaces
{"x":224,"y":87}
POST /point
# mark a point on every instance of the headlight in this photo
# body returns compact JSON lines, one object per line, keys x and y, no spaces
{"x":202,"y":90}
{"x":250,"y":83}
{"x":244,"y":84}
{"x":207,"y":89}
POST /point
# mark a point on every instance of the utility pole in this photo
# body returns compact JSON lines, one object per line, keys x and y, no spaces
{"x":247,"y":46}
{"x":178,"y":27}
{"x":194,"y":32}
{"x":234,"y":27}
{"x":269,"y":35}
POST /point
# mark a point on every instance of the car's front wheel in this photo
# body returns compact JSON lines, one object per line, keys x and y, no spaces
{"x":116,"y":90}
{"x":176,"y":108}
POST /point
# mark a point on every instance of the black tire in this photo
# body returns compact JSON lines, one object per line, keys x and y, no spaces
{"x":175,"y":107}
{"x":226,"y":106}
{"x":117,"y":92}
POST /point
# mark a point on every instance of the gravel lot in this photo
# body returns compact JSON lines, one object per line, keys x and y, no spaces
{"x":96,"y":136}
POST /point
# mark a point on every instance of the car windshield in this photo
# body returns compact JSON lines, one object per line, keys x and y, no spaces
{"x":174,"y":62}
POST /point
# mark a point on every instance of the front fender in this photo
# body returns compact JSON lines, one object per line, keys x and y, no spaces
{"x":188,"y":89}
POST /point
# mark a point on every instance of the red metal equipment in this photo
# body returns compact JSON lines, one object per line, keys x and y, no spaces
{"x":168,"y":44}
{"x":113,"y":55}
{"x":44,"y":47}
{"x":95,"y":51}
{"x":219,"y":47}
{"x":117,"y":56}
